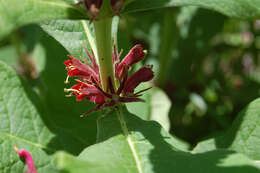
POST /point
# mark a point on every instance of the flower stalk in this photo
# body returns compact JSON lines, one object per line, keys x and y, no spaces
{"x":168,"y":42}
{"x":104,"y":50}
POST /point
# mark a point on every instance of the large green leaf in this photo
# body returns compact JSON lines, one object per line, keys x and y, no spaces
{"x":72,"y":35}
{"x":129,"y":144}
{"x":15,"y":13}
{"x":156,"y":107}
{"x":246,"y":9}
{"x":41,"y":125}
{"x":243,"y":136}
{"x":8,"y":55}
{"x":23,"y":125}
{"x":67,"y":111}
{"x":75,"y":35}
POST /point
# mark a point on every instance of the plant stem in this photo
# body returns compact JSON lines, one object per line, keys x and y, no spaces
{"x":104,"y":50}
{"x":168,"y":41}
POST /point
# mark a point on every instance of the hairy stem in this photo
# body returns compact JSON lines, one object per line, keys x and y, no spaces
{"x":104,"y":50}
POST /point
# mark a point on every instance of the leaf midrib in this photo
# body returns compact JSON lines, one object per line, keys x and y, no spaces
{"x":129,"y":139}
{"x":38,"y":145}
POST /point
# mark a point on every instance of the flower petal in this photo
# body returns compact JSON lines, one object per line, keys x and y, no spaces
{"x":28,"y":158}
{"x":79,"y":69}
{"x":88,"y":92}
{"x":144,"y":74}
{"x":135,"y":55}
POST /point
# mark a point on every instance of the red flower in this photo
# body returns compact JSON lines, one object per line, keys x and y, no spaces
{"x":135,"y":55}
{"x":87,"y":91}
{"x":28,"y":158}
{"x":144,"y":74}
{"x":89,"y":87}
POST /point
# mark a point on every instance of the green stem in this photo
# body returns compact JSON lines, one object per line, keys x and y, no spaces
{"x":168,"y":41}
{"x":104,"y":50}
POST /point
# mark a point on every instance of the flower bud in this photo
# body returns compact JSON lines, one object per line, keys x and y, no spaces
{"x":93,"y":6}
{"x":117,"y":5}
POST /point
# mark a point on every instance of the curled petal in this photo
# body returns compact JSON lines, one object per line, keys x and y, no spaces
{"x":28,"y":158}
{"x":144,"y":74}
{"x":88,"y":92}
{"x":79,"y":69}
{"x":135,"y":55}
{"x":68,"y":63}
{"x":99,"y":99}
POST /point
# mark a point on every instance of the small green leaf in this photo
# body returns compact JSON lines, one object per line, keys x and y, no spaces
{"x":245,"y":9}
{"x":129,"y":144}
{"x":15,"y":13}
{"x":243,"y":136}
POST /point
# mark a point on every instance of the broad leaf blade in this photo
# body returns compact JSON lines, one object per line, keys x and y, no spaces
{"x":129,"y":144}
{"x":156,"y":107}
{"x":74,"y":36}
{"x":243,"y":136}
{"x":41,"y":125}
{"x":21,"y":125}
{"x":15,"y":13}
{"x":249,"y":9}
{"x":65,"y":111}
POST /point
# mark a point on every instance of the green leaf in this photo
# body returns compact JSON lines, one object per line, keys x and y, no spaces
{"x":21,"y":125}
{"x":156,"y":107}
{"x":129,"y":144}
{"x":75,"y":35}
{"x":9,"y":55}
{"x":65,"y":111}
{"x":243,"y":136}
{"x":15,"y":13}
{"x":249,"y":9}
{"x":72,"y":35}
{"x":41,"y":125}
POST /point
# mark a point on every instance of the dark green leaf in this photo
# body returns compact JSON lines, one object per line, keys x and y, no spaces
{"x":249,"y":9}
{"x":41,"y":124}
{"x":243,"y":136}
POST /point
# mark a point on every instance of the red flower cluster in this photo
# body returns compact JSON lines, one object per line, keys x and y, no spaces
{"x":89,"y":86}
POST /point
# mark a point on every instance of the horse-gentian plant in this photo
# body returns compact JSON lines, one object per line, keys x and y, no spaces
{"x":89,"y":83}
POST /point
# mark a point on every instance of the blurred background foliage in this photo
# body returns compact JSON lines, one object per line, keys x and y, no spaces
{"x":206,"y":63}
